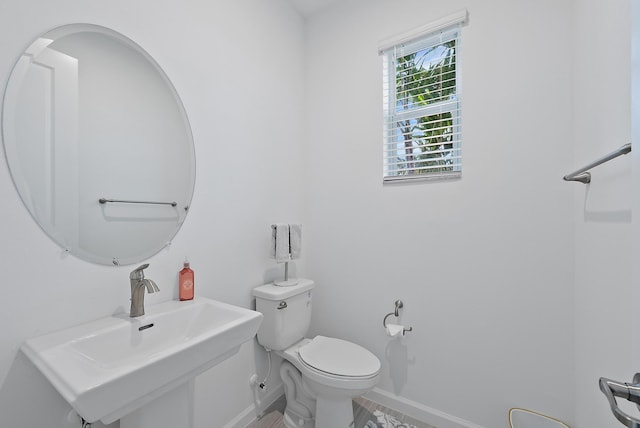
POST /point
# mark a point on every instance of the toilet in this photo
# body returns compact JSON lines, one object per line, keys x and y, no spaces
{"x":321,"y":376}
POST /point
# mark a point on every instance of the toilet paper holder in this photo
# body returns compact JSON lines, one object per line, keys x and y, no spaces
{"x":396,"y":313}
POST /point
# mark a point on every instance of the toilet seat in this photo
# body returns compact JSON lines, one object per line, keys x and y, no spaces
{"x":339,"y":358}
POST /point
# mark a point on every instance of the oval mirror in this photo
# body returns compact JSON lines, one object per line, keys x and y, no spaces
{"x":98,"y":144}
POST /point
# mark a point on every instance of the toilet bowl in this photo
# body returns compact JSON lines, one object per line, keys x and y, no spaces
{"x":334,"y":371}
{"x":329,"y":372}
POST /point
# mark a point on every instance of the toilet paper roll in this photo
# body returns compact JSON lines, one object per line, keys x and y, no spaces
{"x":395,"y":330}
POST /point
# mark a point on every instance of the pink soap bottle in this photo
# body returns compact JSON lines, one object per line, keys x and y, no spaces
{"x":185,"y":282}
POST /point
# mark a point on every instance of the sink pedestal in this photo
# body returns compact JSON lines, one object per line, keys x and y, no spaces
{"x":171,"y":410}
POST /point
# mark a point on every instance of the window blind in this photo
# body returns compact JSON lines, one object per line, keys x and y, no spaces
{"x":422,"y":116}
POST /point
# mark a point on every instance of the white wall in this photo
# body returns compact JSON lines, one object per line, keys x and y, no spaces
{"x":238,"y":69}
{"x":512,"y":279}
{"x":635,"y":139}
{"x":602,"y":211}
{"x":484,"y":264}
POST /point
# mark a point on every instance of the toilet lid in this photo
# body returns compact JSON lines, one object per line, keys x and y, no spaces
{"x":339,"y":357}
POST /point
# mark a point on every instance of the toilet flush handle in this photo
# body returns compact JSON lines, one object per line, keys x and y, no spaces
{"x":282,"y":305}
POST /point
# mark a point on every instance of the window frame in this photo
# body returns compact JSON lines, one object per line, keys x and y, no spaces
{"x":436,"y":33}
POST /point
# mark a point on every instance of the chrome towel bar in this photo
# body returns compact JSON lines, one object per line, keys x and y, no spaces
{"x":120,"y":201}
{"x":583,"y":176}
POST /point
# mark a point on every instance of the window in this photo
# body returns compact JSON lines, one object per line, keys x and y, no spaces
{"x":422,"y":117}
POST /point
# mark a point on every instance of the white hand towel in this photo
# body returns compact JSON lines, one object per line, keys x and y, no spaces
{"x":280,"y":243}
{"x":295,"y":240}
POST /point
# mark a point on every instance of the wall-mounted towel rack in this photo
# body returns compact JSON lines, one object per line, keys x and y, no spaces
{"x":121,"y":201}
{"x":585,"y":177}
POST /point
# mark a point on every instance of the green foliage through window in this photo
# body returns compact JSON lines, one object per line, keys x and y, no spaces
{"x":423,"y":125}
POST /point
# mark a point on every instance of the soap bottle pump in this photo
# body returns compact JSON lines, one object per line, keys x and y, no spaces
{"x":185,"y":282}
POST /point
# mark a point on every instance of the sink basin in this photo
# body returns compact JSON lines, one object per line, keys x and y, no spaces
{"x":109,"y":367}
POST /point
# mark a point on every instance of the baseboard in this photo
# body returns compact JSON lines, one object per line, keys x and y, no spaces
{"x":250,"y":414}
{"x":418,"y":411}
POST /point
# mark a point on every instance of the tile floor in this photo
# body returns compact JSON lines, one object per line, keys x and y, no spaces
{"x":366,"y":414}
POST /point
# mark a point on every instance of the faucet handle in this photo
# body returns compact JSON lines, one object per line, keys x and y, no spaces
{"x":138,"y":272}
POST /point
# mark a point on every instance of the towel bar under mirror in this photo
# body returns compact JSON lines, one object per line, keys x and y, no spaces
{"x":122,"y":201}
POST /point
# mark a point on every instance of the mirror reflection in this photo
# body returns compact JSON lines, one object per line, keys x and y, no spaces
{"x":89,"y":115}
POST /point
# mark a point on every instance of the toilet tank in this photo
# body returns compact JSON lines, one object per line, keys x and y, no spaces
{"x":287,"y":313}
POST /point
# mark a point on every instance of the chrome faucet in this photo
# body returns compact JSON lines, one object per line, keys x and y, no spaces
{"x":138,"y":283}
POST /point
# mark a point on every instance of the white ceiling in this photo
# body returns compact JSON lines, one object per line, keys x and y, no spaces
{"x":309,"y":7}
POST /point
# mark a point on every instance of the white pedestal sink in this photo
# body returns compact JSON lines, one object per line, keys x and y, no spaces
{"x":141,"y":370}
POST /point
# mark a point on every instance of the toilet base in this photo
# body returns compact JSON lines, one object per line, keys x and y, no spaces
{"x":334,"y":406}
{"x":334,"y":412}
{"x":289,"y":422}
{"x":300,"y":409}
